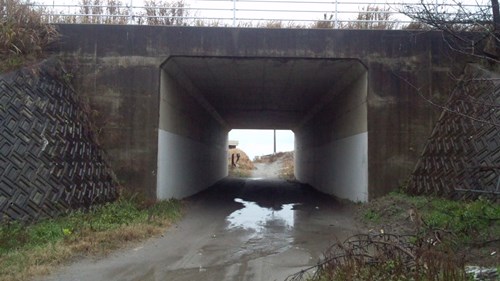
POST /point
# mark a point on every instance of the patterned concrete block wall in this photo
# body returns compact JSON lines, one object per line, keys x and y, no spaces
{"x":462,"y":156}
{"x":49,"y":161}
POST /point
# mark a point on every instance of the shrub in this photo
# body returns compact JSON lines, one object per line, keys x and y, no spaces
{"x":165,"y":12}
{"x":23,"y":31}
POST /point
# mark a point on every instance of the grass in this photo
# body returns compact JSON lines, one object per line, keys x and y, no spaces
{"x":239,"y":172}
{"x":479,"y":219}
{"x":27,"y":251}
{"x":469,"y":228}
{"x":371,"y":215}
{"x":469,"y":221}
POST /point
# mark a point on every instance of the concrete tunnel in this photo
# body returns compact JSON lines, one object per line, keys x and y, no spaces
{"x":323,"y":101}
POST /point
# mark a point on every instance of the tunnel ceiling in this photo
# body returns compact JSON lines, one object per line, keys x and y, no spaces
{"x":266,"y":93}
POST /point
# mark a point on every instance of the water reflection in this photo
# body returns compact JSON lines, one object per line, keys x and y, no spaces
{"x":259,"y":219}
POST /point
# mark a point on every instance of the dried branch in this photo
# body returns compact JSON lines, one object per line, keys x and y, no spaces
{"x":382,"y":256}
{"x":418,"y":91}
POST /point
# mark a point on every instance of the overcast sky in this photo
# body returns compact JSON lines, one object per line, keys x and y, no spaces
{"x":305,"y":11}
{"x":285,"y":10}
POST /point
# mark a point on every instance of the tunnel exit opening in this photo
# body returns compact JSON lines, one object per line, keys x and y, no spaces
{"x":257,"y":142}
{"x":262,"y":154}
{"x":322,"y":100}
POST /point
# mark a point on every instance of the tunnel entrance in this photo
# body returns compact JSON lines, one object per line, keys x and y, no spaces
{"x":322,"y":100}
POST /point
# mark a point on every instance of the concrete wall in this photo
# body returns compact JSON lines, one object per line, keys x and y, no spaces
{"x":192,"y":145}
{"x":122,"y":97}
{"x":332,"y":147}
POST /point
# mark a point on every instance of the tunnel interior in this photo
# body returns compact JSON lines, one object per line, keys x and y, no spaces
{"x":323,"y":101}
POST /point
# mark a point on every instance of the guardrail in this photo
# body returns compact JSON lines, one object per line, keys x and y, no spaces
{"x":247,"y":13}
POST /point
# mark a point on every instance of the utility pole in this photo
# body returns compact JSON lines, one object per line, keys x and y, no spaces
{"x":274,"y":141}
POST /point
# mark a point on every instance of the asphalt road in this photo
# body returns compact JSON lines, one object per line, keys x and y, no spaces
{"x":239,"y":229}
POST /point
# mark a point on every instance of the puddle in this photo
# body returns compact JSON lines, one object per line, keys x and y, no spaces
{"x":259,"y":219}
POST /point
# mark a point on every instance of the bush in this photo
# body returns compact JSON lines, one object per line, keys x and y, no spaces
{"x":23,"y":33}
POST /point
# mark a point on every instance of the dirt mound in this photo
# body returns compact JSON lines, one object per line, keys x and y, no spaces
{"x":270,"y":158}
{"x":283,"y":161}
{"x":243,"y":163}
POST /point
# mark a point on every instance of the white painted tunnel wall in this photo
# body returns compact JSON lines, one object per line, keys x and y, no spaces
{"x":338,"y":166}
{"x":192,"y":148}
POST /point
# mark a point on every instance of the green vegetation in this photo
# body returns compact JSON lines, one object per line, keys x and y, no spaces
{"x":415,"y":238}
{"x":470,"y":221}
{"x":31,"y":250}
{"x":371,"y":215}
{"x":478,"y":220}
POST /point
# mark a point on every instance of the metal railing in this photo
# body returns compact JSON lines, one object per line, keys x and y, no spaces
{"x":245,"y":13}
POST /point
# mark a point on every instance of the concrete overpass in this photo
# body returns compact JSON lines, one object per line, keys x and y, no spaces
{"x":164,"y":98}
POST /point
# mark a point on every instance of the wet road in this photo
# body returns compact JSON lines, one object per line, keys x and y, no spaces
{"x":239,"y":229}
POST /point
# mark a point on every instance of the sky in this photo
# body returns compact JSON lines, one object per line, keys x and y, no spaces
{"x":305,"y":11}
{"x":260,"y":142}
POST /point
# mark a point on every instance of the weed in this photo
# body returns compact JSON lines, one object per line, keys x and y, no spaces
{"x":371,"y":215}
{"x":468,"y":228}
{"x":384,"y":257}
{"x":23,"y":33}
{"x":476,"y":220}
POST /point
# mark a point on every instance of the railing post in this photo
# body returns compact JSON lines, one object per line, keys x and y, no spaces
{"x":336,"y":14}
{"x":234,"y":13}
{"x":130,"y":12}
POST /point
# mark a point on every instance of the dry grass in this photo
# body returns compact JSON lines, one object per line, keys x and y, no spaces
{"x":287,"y":160}
{"x":165,"y":12}
{"x":271,"y":158}
{"x":417,"y":238}
{"x":23,"y":34}
{"x":34,"y":250}
{"x":287,"y":171}
{"x":388,"y":257}
{"x":30,"y":263}
{"x":471,"y":227}
{"x":372,"y":17}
